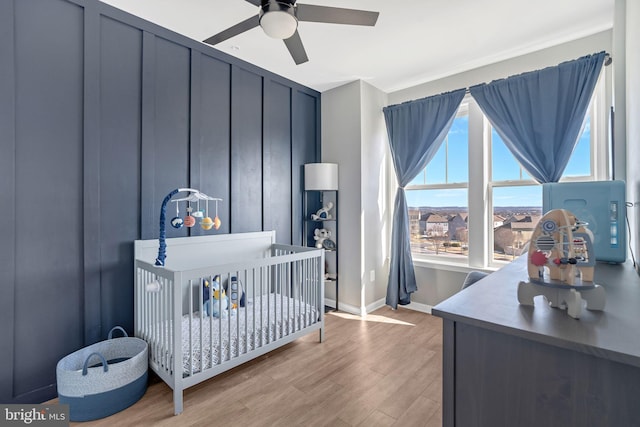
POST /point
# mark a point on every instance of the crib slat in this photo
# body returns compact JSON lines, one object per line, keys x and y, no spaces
{"x":228,"y":321}
{"x":256,"y":283}
{"x":210,"y":321}
{"x":200,"y":308}
{"x":280,"y":331}
{"x":269,"y":292}
{"x":219,"y":326}
{"x":190,"y":323}
{"x":168,"y":319}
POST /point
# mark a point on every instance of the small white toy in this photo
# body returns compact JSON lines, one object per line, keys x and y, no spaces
{"x":323,"y":213}
{"x":320,"y":235}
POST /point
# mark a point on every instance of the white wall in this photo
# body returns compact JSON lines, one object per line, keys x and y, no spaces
{"x":341,"y":136}
{"x":533,"y":61}
{"x":619,"y":83}
{"x":376,"y":207}
{"x":354,"y":137}
{"x":632,"y":89}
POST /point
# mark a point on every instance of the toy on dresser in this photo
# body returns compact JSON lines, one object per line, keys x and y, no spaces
{"x":560,"y":264}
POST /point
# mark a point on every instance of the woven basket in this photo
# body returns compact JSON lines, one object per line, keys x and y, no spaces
{"x":103,"y":378}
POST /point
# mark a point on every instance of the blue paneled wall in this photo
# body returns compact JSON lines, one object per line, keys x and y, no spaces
{"x":101,"y":115}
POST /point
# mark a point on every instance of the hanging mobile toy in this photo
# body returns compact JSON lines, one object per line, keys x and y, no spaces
{"x":198,"y":212}
{"x":189,"y":221}
{"x":176,"y":221}
{"x":216,"y":221}
{"x":206,"y":222}
{"x":193,"y":196}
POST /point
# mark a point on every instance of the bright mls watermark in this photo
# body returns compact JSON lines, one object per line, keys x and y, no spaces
{"x":34,"y":415}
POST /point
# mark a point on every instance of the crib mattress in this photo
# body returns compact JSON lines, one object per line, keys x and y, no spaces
{"x":261,"y":321}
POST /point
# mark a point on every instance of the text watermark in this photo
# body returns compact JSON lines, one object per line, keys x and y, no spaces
{"x":52,"y":415}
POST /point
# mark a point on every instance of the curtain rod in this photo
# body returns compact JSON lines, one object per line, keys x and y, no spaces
{"x":608,"y":59}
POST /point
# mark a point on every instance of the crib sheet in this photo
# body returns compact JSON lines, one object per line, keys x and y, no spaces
{"x":262,"y":321}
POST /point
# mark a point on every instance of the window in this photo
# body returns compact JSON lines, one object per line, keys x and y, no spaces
{"x":490,"y":218}
{"x":437,"y":197}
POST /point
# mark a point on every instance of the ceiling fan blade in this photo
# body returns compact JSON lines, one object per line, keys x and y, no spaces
{"x":255,"y":2}
{"x":336,"y":15}
{"x":296,"y":49}
{"x":239,"y":28}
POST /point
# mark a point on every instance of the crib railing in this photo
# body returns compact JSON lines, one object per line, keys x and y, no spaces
{"x":284,"y":295}
{"x":154,"y":296}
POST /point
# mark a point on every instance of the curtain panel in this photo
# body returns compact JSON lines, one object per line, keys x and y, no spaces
{"x":416,"y":130}
{"x":539,"y":114}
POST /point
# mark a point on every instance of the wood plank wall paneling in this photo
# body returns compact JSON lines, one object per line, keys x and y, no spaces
{"x":246,"y":151}
{"x":120,"y":157}
{"x":211,"y":138}
{"x":277,"y":159}
{"x":49,"y":189}
{"x":148,"y":214}
{"x":97,"y":125}
{"x":171,"y":123}
{"x":7,"y":195}
{"x":92,"y":233}
{"x":305,"y":111}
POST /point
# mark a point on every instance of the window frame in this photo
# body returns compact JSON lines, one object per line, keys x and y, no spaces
{"x":480,"y":206}
{"x":462,"y":111}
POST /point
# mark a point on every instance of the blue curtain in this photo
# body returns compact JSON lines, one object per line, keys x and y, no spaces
{"x":539,"y":114}
{"x":416,"y":130}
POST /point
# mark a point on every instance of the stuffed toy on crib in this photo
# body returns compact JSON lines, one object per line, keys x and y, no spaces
{"x":219,"y":303}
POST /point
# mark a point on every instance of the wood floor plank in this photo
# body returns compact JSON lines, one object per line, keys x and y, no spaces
{"x":419,"y":413}
{"x":378,"y":419}
{"x":398,"y":403}
{"x":381,"y":370}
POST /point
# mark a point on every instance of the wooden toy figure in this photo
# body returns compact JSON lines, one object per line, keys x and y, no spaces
{"x":560,"y":264}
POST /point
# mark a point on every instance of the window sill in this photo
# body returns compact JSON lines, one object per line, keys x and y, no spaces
{"x":438,"y":264}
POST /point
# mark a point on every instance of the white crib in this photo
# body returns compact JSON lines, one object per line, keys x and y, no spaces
{"x":284,"y":300}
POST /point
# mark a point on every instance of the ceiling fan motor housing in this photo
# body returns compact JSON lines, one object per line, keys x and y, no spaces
{"x":285,"y":2}
{"x":278,"y":18}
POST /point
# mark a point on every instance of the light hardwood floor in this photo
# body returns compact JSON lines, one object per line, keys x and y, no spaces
{"x":383,"y":370}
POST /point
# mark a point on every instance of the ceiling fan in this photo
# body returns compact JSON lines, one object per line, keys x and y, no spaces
{"x":279,"y":19}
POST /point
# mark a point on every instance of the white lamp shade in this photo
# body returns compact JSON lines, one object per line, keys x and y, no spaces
{"x":321,"y":176}
{"x":278,"y":24}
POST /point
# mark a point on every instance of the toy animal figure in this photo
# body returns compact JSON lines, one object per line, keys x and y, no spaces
{"x":323,"y":213}
{"x":320,"y":235}
{"x":219,"y":303}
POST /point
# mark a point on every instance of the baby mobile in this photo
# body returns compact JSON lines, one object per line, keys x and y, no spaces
{"x":194,"y":196}
{"x":190,"y":220}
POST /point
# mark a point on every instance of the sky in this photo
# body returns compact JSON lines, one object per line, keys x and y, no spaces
{"x":450,"y":165}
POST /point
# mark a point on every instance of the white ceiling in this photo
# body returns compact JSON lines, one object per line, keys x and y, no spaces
{"x":414,"y":41}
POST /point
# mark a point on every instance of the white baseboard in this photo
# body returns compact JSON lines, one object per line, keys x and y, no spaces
{"x":352,"y":309}
{"x":370,"y":308}
{"x":424,"y":308}
{"x":376,"y":305}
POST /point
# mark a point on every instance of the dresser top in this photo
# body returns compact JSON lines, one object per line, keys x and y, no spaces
{"x":613,"y":333}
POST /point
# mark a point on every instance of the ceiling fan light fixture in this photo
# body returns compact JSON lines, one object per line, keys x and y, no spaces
{"x":278,"y":20}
